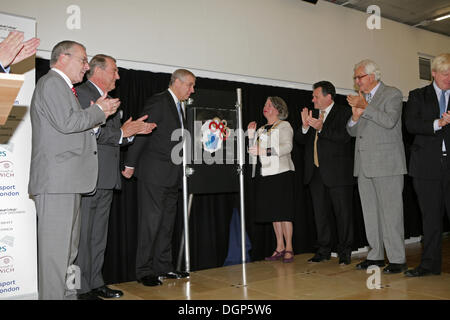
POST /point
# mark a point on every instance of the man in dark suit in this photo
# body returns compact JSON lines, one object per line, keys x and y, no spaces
{"x":63,"y":164}
{"x":159,"y":179}
{"x":95,"y":208}
{"x":13,"y":50}
{"x":329,"y":170}
{"x":427,"y":116}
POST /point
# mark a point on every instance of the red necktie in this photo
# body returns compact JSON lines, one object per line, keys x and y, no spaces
{"x":74,"y":92}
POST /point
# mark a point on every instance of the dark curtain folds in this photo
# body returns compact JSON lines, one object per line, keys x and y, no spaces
{"x":211,"y":214}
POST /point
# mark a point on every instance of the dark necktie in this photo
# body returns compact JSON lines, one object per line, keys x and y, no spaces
{"x":180,"y":114}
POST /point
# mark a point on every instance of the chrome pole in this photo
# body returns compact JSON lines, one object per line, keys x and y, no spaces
{"x":241,"y":159}
{"x":185,"y":199}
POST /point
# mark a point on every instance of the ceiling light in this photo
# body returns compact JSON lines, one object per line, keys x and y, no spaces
{"x":443,"y":17}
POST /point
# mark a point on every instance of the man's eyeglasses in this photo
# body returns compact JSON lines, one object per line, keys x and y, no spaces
{"x":359,"y":77}
{"x":83,"y":60}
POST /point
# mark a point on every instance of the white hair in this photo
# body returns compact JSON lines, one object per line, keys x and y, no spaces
{"x":370,"y":67}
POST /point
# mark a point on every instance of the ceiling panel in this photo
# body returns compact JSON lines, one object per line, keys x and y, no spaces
{"x":418,"y":13}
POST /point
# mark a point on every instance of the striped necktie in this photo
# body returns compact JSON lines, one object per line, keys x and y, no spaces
{"x":74,"y":92}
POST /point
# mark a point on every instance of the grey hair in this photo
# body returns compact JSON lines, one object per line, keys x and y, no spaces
{"x":279,"y":104}
{"x":180,"y":74}
{"x":62,"y":48}
{"x":98,"y":61}
{"x":370,"y":67}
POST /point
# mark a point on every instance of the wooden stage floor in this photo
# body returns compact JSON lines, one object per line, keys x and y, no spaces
{"x":299,"y":280}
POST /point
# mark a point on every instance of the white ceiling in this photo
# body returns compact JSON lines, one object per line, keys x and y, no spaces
{"x":410,"y":12}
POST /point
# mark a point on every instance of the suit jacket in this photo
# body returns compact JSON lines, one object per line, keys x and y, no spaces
{"x":150,"y":155}
{"x":109,"y":176}
{"x":422,"y":109}
{"x":64,"y":150}
{"x":379,"y":150}
{"x":334,"y":149}
{"x":280,"y":141}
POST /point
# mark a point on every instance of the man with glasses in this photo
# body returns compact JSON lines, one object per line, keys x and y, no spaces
{"x":64,"y":165}
{"x":379,"y":165}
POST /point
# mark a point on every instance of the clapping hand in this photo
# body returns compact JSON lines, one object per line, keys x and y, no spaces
{"x":445,"y":120}
{"x":358,"y":104}
{"x":108,"y":105}
{"x":14,"y":50}
{"x":306,"y":114}
{"x":251,"y":128}
{"x":309,"y":121}
{"x":316,"y":123}
{"x":139,"y":126}
{"x":357,"y":101}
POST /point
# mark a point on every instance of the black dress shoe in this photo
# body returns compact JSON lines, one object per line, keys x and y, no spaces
{"x":150,"y":281}
{"x":367,"y":263}
{"x":345,"y":259}
{"x":319,"y":258}
{"x":87,"y":296}
{"x":395,"y":268}
{"x":174,"y":275}
{"x":419,"y":272}
{"x":106,"y":292}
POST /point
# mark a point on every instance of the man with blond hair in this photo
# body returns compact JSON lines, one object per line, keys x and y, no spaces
{"x":428,"y":117}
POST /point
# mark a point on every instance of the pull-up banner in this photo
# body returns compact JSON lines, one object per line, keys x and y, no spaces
{"x":18,"y":247}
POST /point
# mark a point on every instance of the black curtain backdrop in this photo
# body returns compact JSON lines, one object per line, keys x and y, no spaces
{"x":211,"y":214}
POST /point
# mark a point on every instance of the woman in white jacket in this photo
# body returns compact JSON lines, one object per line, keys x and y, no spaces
{"x":272,"y":144}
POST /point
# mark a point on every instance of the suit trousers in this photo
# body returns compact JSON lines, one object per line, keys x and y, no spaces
{"x":382,"y":204}
{"x":341,"y":204}
{"x":93,"y":237}
{"x":157,"y":207}
{"x":434,"y":200}
{"x":58,"y":237}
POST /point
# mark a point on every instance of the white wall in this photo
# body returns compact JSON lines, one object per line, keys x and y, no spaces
{"x":287,"y":40}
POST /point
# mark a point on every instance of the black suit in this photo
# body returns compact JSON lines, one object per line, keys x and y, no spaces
{"x":332,"y":180}
{"x":158,"y":182}
{"x":95,"y":208}
{"x":430,"y":170}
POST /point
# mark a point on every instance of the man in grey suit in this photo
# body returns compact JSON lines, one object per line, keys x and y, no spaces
{"x":379,"y":165}
{"x":63,"y":165}
{"x":95,"y":208}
